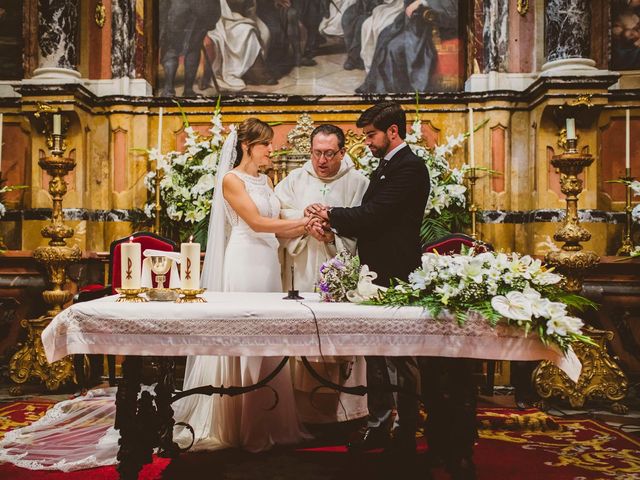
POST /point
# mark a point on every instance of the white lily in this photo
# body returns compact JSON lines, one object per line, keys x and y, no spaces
{"x":514,"y":305}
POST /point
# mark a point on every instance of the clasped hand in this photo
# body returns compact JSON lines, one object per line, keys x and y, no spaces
{"x":318,"y":223}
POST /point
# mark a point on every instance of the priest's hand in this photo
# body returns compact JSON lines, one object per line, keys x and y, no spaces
{"x":318,"y":210}
{"x":319,"y":229}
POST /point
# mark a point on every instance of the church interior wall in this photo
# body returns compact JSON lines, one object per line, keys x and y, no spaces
{"x":108,"y":133}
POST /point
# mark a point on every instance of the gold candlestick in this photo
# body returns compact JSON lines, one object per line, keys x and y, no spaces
{"x":472,"y":177}
{"x":601,"y":377}
{"x":627,"y":243}
{"x":571,"y":260}
{"x":30,"y":361}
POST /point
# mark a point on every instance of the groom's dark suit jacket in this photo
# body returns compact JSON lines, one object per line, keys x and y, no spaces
{"x":387,"y":224}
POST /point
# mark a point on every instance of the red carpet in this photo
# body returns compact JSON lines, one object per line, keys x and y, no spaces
{"x":513,"y":445}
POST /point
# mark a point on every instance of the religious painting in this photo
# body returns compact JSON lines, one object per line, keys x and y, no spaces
{"x":10,"y":40}
{"x":625,"y":35}
{"x":308,"y":47}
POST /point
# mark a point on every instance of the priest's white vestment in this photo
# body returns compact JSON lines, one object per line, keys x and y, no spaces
{"x":301,"y":188}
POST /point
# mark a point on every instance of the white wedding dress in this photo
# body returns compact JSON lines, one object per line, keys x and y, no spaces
{"x":251,"y":264}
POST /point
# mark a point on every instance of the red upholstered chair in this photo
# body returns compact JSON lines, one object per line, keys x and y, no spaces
{"x":450,"y":245}
{"x":147,"y":240}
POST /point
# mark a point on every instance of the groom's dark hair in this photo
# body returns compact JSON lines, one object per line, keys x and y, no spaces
{"x":328,"y":129}
{"x":382,"y":115}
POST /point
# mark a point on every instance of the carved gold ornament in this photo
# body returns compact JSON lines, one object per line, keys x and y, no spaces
{"x":355,"y":147}
{"x":523,"y":7}
{"x":600,"y":378}
{"x":30,"y":360}
{"x":100,"y":14}
{"x":300,"y":136}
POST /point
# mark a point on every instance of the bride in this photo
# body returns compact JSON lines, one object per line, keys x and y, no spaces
{"x":78,"y":433}
{"x":244,"y":259}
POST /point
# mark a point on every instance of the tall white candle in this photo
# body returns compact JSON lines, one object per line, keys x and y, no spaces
{"x":1,"y":120}
{"x":190,"y":265}
{"x":57,"y":124}
{"x":472,"y":154}
{"x":571,"y":129}
{"x":160,"y":131}
{"x":627,"y":140}
{"x":130,"y":264}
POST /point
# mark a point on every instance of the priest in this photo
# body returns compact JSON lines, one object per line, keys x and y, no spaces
{"x":329,"y":177}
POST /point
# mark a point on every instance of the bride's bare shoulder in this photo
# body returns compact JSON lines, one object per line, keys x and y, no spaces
{"x":232,"y":181}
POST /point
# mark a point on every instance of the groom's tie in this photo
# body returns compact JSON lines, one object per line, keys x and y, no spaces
{"x":380,"y":169}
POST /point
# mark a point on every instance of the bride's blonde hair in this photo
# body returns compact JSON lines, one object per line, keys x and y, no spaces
{"x":252,"y":131}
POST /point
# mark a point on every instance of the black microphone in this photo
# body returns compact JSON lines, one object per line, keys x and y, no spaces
{"x":293,"y":294}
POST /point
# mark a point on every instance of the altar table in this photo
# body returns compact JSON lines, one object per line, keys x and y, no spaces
{"x":261,"y":324}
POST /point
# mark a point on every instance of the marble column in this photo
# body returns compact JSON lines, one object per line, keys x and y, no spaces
{"x":58,"y":28}
{"x":495,"y":35}
{"x":123,"y":39}
{"x":567,"y":35}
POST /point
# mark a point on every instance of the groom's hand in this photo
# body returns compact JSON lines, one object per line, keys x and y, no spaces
{"x":318,"y":210}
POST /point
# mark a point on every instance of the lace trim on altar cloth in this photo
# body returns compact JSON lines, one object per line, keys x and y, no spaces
{"x":263,"y":325}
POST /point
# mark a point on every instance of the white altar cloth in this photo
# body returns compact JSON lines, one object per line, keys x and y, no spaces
{"x":263,"y":324}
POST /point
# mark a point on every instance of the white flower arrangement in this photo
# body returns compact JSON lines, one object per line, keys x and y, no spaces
{"x":445,"y":210}
{"x":635,"y":213}
{"x":499,"y":286}
{"x":7,"y":189}
{"x":187,"y":183}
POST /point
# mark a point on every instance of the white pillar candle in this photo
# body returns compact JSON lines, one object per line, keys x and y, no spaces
{"x":57,"y":124}
{"x":571,"y":129}
{"x":627,"y":140}
{"x":472,"y":157}
{"x":130,"y":264}
{"x":190,"y":265}
{"x":160,"y":131}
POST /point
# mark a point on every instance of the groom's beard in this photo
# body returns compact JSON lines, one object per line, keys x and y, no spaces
{"x":382,"y":150}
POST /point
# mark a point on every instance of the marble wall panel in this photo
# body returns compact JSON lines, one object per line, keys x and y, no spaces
{"x":58,"y":33}
{"x":123,"y":39}
{"x":495,"y":35}
{"x":567,"y":29}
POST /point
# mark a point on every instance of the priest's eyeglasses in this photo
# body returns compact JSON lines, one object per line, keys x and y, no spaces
{"x":328,"y":154}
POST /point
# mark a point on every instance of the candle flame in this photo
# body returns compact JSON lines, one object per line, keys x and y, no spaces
{"x":131,"y":238}
{"x":191,"y":239}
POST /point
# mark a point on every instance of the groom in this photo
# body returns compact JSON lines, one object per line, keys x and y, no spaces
{"x":387,"y":228}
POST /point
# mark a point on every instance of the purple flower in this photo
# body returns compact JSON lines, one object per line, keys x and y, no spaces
{"x":338,"y":264}
{"x":324,"y":287}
